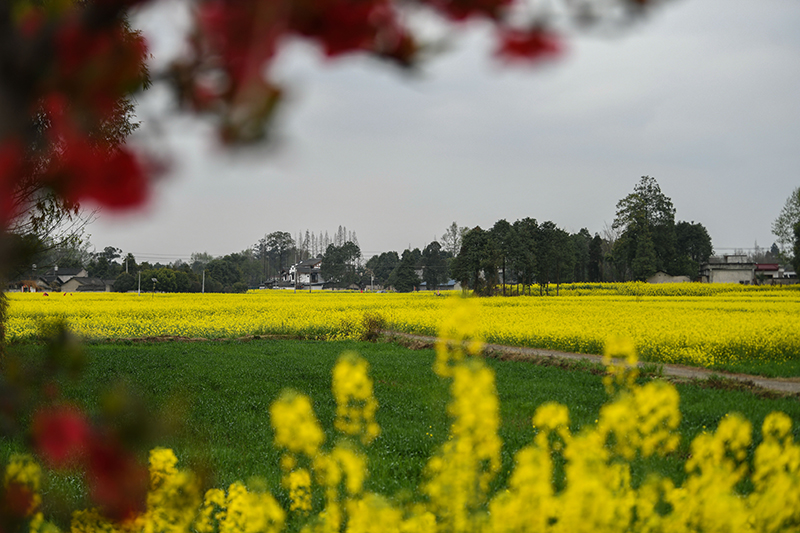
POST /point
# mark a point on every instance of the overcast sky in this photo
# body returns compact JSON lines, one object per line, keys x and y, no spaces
{"x":704,"y":96}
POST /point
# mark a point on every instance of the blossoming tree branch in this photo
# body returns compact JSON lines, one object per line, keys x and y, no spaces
{"x":69,"y":68}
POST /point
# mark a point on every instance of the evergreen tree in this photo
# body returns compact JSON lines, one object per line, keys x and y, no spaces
{"x":692,"y":249}
{"x":796,"y":248}
{"x":468,"y":265}
{"x":504,"y":240}
{"x":644,"y":261}
{"x":280,"y":244}
{"x":580,"y":245}
{"x":404,"y":278}
{"x":524,"y":255}
{"x":645,"y":214}
{"x":434,"y":264}
{"x":783,"y":227}
{"x":125,"y":282}
{"x":595,"y":268}
{"x":339,"y":265}
{"x":383,"y":265}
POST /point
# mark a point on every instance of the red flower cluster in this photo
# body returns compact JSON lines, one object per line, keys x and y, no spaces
{"x":97,"y":68}
{"x":531,"y":45}
{"x":64,"y":438}
{"x":61,"y":436}
{"x":11,"y":167}
{"x":117,"y":482}
{"x":237,"y":40}
{"x":81,"y":170}
{"x":16,"y":504}
{"x":72,"y":67}
{"x":464,"y":9}
{"x":82,"y":60}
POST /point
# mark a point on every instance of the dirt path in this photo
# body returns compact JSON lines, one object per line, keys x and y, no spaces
{"x":790,"y":386}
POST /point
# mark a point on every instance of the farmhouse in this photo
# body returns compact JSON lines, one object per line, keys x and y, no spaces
{"x":663,"y":277}
{"x":728,"y":269}
{"x":450,"y":285}
{"x":87,"y":284}
{"x":306,"y":273}
{"x":52,"y":280}
{"x":737,"y":269}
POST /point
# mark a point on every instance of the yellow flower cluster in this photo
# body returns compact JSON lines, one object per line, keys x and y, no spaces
{"x":240,"y":511}
{"x":619,"y":358}
{"x":460,"y":473}
{"x":340,"y":473}
{"x":175,"y":505}
{"x":355,"y":403}
{"x":699,"y":324}
{"x":458,"y":336}
{"x":298,"y":482}
{"x":296,"y":426}
{"x":23,"y":477}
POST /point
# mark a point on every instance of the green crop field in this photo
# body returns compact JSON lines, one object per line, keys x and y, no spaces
{"x":214,"y":399}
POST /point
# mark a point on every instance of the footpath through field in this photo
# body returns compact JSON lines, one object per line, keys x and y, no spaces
{"x":679,"y":372}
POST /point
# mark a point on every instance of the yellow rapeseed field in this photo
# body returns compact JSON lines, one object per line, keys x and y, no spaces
{"x":690,"y":323}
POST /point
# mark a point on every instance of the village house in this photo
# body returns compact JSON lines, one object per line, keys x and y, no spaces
{"x":61,"y":280}
{"x":738,"y":269}
{"x":733,"y":268}
{"x":663,"y":277}
{"x":51,"y":280}
{"x":87,"y":284}
{"x":306,"y":273}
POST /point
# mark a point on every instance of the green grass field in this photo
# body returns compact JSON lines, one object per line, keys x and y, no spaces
{"x":219,"y":394}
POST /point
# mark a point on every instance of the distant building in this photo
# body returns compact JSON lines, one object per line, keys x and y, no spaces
{"x":51,"y":280}
{"x":86,"y":284}
{"x":57,"y":277}
{"x":450,"y":285}
{"x":728,"y":269}
{"x":28,"y":284}
{"x":663,"y":277}
{"x":306,"y":273}
{"x":738,"y":269}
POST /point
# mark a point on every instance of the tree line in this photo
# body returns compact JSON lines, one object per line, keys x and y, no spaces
{"x":643,"y":240}
{"x":506,"y":258}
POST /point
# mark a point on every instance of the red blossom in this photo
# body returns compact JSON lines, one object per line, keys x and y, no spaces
{"x":31,"y":22}
{"x":244,"y":34}
{"x":341,"y":26}
{"x":97,"y":67}
{"x":17,"y":501}
{"x":11,"y":169}
{"x":464,"y":9}
{"x":402,"y":49}
{"x":121,"y":183}
{"x":530,"y":45}
{"x":118,"y":484}
{"x":61,"y":435}
{"x":75,"y":45}
{"x":81,"y":171}
{"x":121,"y":4}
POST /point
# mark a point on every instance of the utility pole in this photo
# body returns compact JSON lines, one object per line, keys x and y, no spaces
{"x":139,"y":290}
{"x":204,"y":281}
